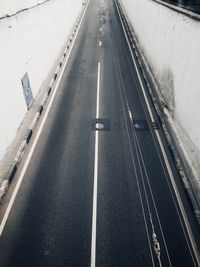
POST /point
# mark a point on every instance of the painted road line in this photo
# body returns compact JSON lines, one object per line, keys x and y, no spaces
{"x":94,"y":212}
{"x":28,"y":159}
{"x":98,"y":89}
{"x":167,"y":164}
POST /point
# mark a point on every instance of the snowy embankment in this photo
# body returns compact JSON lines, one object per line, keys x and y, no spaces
{"x":170,"y":42}
{"x":32,"y":35}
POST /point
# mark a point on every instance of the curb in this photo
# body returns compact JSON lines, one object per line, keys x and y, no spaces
{"x":27,"y":138}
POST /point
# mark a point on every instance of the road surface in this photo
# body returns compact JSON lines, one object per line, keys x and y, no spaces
{"x":99,"y":187}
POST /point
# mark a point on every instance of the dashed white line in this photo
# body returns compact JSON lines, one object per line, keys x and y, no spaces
{"x":94,"y":212}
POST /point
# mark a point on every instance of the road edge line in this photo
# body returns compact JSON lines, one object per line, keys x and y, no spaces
{"x":95,"y":186}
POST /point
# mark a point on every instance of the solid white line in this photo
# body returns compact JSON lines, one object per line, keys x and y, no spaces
{"x":167,"y":164}
{"x":94,"y":212}
{"x":98,"y":89}
{"x":11,"y":202}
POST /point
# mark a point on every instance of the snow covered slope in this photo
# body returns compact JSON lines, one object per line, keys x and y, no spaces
{"x":30,"y":42}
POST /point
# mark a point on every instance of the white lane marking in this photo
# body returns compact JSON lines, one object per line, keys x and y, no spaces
{"x":100,"y":43}
{"x":94,"y":212}
{"x":11,"y":202}
{"x":101,"y":29}
{"x":98,"y":90}
{"x":187,"y":225}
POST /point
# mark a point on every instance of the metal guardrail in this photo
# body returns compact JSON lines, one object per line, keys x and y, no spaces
{"x":191,"y":5}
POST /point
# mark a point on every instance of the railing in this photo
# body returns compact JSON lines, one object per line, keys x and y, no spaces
{"x":191,"y":5}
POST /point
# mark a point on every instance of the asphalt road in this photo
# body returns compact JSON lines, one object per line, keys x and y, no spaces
{"x":98,"y":190}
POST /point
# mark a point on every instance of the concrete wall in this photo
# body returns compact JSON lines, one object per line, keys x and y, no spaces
{"x":30,"y":42}
{"x":170,"y":42}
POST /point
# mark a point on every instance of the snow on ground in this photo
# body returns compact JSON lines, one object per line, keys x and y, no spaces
{"x":10,"y":7}
{"x":170,"y":41}
{"x":30,"y":42}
